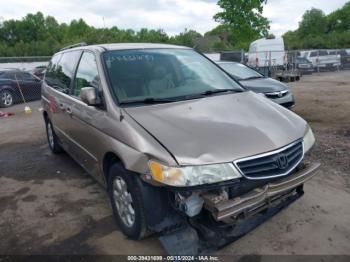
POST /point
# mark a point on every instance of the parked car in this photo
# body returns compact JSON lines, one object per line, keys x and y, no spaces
{"x":181,"y":147}
{"x":322,"y":60}
{"x":254,"y":81}
{"x":16,"y":85}
{"x":344,"y":58}
{"x":304,"y":66}
{"x":39,"y":71}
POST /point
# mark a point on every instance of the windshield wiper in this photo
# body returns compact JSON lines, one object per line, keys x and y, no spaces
{"x":216,"y":91}
{"x":252,"y":77}
{"x":148,"y":100}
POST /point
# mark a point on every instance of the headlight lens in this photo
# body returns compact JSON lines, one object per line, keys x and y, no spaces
{"x":309,"y":140}
{"x":192,"y":175}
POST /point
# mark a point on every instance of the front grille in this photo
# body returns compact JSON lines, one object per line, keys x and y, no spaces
{"x":277,"y":94}
{"x":272,"y":164}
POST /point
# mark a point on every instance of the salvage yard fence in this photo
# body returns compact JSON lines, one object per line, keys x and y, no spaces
{"x":22,"y":87}
{"x":298,"y":61}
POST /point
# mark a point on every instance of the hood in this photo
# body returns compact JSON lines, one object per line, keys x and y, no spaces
{"x":263,"y":85}
{"x":220,"y":128}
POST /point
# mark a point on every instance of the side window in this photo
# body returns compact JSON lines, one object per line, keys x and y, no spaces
{"x":9,"y":75}
{"x":51,"y":70}
{"x":87,"y":74}
{"x":65,"y":71}
{"x":313,"y":54}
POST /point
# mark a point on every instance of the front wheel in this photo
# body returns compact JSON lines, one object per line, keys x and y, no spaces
{"x":6,"y":98}
{"x":126,"y":200}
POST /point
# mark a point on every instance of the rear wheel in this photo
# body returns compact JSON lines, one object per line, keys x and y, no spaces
{"x":126,"y":200}
{"x":52,"y":138}
{"x":6,"y":98}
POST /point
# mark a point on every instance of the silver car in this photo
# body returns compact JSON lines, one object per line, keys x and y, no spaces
{"x":254,"y":81}
{"x":183,"y":150}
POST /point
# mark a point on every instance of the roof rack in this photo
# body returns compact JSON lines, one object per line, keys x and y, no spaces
{"x":72,"y":46}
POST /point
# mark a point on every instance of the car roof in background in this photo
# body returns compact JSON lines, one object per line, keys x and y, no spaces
{"x":10,"y":69}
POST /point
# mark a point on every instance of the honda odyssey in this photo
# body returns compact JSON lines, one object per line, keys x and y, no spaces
{"x":182,"y":148}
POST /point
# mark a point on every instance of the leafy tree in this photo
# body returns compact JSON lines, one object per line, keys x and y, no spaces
{"x":186,"y":38}
{"x":243,"y":20}
{"x":317,"y":30}
{"x":339,"y":20}
{"x":314,"y":22}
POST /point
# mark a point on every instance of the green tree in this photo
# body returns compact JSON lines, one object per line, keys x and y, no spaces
{"x":339,"y":20}
{"x":317,"y":30}
{"x":313,"y":23}
{"x":186,"y":38}
{"x":243,"y":20}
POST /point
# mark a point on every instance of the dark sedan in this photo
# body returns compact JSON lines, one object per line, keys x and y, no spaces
{"x":18,"y":86}
{"x":254,"y":81}
{"x":304,"y":66}
{"x":39,"y":71}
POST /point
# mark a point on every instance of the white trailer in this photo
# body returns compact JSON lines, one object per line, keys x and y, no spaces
{"x":266,"y":52}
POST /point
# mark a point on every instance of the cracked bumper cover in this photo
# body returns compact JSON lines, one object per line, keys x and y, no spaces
{"x":222,"y":210}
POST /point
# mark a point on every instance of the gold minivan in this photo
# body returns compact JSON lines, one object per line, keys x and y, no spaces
{"x":182,"y":148}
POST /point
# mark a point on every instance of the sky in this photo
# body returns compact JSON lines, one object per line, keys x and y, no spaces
{"x":171,"y":15}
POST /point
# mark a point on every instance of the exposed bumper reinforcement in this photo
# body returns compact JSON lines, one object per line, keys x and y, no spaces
{"x":226,"y":209}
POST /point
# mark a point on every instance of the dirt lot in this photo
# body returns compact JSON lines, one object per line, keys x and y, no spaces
{"x":49,"y":205}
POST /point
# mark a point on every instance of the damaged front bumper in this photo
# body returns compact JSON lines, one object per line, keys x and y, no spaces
{"x":224,"y":220}
{"x":230,"y":209}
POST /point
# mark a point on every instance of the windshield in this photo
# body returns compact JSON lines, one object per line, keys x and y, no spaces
{"x":164,"y":74}
{"x":302,"y":60}
{"x":239,"y":71}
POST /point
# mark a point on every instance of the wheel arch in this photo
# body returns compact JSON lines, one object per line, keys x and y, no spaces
{"x":45,"y":115}
{"x":109,"y":159}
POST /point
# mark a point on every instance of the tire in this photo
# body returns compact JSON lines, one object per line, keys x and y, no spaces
{"x":128,"y":210}
{"x":52,"y":138}
{"x":6,"y":98}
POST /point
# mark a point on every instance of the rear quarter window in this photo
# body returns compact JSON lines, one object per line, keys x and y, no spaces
{"x":51,"y":70}
{"x":61,"y":70}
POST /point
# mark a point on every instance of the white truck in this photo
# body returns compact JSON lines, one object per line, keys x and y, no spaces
{"x":266,"y":52}
{"x":322,"y":59}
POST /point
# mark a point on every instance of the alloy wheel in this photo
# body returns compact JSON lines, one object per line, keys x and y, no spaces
{"x":7,"y":98}
{"x":123,"y":201}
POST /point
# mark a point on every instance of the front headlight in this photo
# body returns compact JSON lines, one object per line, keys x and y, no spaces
{"x":308,"y":140}
{"x":192,"y":175}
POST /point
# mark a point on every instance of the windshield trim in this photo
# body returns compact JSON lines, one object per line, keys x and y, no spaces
{"x":188,"y":97}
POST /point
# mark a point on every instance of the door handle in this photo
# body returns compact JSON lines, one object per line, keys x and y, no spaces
{"x":69,"y":110}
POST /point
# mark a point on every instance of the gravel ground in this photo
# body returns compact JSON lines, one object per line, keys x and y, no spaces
{"x":49,"y":205}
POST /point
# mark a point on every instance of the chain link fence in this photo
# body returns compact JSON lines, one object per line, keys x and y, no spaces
{"x":20,"y":79}
{"x":278,"y":64}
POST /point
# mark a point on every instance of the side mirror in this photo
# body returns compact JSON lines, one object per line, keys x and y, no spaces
{"x":89,"y":96}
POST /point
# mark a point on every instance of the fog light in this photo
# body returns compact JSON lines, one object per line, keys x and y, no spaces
{"x":193,"y":205}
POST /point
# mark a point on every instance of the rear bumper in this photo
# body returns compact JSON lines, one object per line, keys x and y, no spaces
{"x":259,"y":198}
